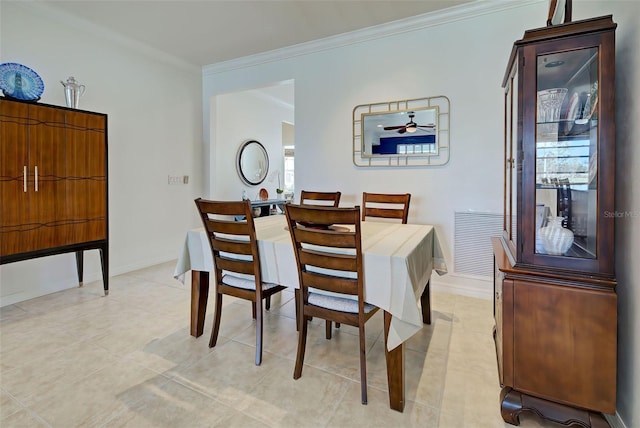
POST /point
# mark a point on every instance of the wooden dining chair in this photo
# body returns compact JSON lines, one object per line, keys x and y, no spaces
{"x":236,"y":260}
{"x":394,"y":206}
{"x":323,"y":199}
{"x":329,"y":259}
{"x":320,"y":198}
{"x":386,"y":205}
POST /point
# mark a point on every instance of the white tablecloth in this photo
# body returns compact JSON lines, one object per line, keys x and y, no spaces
{"x":398,"y":260}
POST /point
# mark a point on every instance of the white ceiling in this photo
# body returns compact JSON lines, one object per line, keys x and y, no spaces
{"x":203,"y":32}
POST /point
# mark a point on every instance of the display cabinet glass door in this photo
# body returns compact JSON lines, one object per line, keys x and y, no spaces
{"x":566,"y":153}
{"x":511,"y":161}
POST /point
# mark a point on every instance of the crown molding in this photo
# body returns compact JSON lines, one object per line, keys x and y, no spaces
{"x":50,"y":12}
{"x":418,"y":22}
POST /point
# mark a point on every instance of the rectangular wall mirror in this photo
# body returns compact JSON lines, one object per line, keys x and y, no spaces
{"x":402,"y":133}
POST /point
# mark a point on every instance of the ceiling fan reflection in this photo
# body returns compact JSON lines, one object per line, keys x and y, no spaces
{"x":410,"y":126}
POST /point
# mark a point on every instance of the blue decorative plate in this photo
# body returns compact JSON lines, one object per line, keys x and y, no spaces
{"x":20,"y":82}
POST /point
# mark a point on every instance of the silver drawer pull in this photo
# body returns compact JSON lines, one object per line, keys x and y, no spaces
{"x":36,"y":181}
{"x":24,"y":175}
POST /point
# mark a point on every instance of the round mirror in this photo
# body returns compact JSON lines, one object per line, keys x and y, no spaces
{"x":253,"y":162}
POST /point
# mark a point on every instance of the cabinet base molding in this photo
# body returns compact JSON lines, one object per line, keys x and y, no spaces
{"x":514,"y":402}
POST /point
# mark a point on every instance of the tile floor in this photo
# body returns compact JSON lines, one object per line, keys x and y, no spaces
{"x":79,"y":359}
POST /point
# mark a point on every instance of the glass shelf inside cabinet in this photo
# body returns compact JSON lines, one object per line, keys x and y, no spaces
{"x":567,"y":153}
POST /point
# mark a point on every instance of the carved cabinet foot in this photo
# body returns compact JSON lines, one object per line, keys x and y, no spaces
{"x":511,"y":406}
{"x":514,"y":402}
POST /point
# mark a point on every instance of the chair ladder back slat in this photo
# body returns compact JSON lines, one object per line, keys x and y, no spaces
{"x":306,"y":196}
{"x":235,"y":265}
{"x":388,"y":198}
{"x":223,"y":208}
{"x":330,"y":283}
{"x":384,"y":212}
{"x":326,"y":238}
{"x":325,"y":215}
{"x":341,"y":262}
{"x":230,"y":227}
{"x":232,"y":246}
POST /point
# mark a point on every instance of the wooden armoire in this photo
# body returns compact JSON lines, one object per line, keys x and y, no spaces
{"x":53,"y":183}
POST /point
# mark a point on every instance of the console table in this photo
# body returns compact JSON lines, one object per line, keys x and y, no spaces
{"x":266,"y":205}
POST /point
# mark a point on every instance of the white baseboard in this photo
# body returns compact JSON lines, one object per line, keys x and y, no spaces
{"x":615,"y":421}
{"x":32,"y":293}
{"x":464,"y":285}
{"x":70,"y":280}
{"x":141,"y":264}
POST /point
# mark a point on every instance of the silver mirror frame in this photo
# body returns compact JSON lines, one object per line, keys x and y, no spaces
{"x":260,"y":167}
{"x":437,"y":156}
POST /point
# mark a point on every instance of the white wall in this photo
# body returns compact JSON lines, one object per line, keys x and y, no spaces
{"x":465,"y":60}
{"x":627,"y":204}
{"x":247,"y":116}
{"x":154,"y":113}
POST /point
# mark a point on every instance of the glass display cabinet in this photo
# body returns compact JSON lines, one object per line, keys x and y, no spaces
{"x":555,"y":301}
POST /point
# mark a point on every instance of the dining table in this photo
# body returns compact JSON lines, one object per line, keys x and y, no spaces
{"x":398,"y":262}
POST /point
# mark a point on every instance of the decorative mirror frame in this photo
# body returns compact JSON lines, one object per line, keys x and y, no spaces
{"x":263,"y":169}
{"x":438,"y":157}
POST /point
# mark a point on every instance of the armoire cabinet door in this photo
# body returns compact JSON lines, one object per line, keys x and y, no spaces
{"x":86,"y":185}
{"x":14,"y":156}
{"x":47,"y":174}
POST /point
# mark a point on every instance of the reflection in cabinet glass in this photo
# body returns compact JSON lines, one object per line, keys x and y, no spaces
{"x":567,"y":152}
